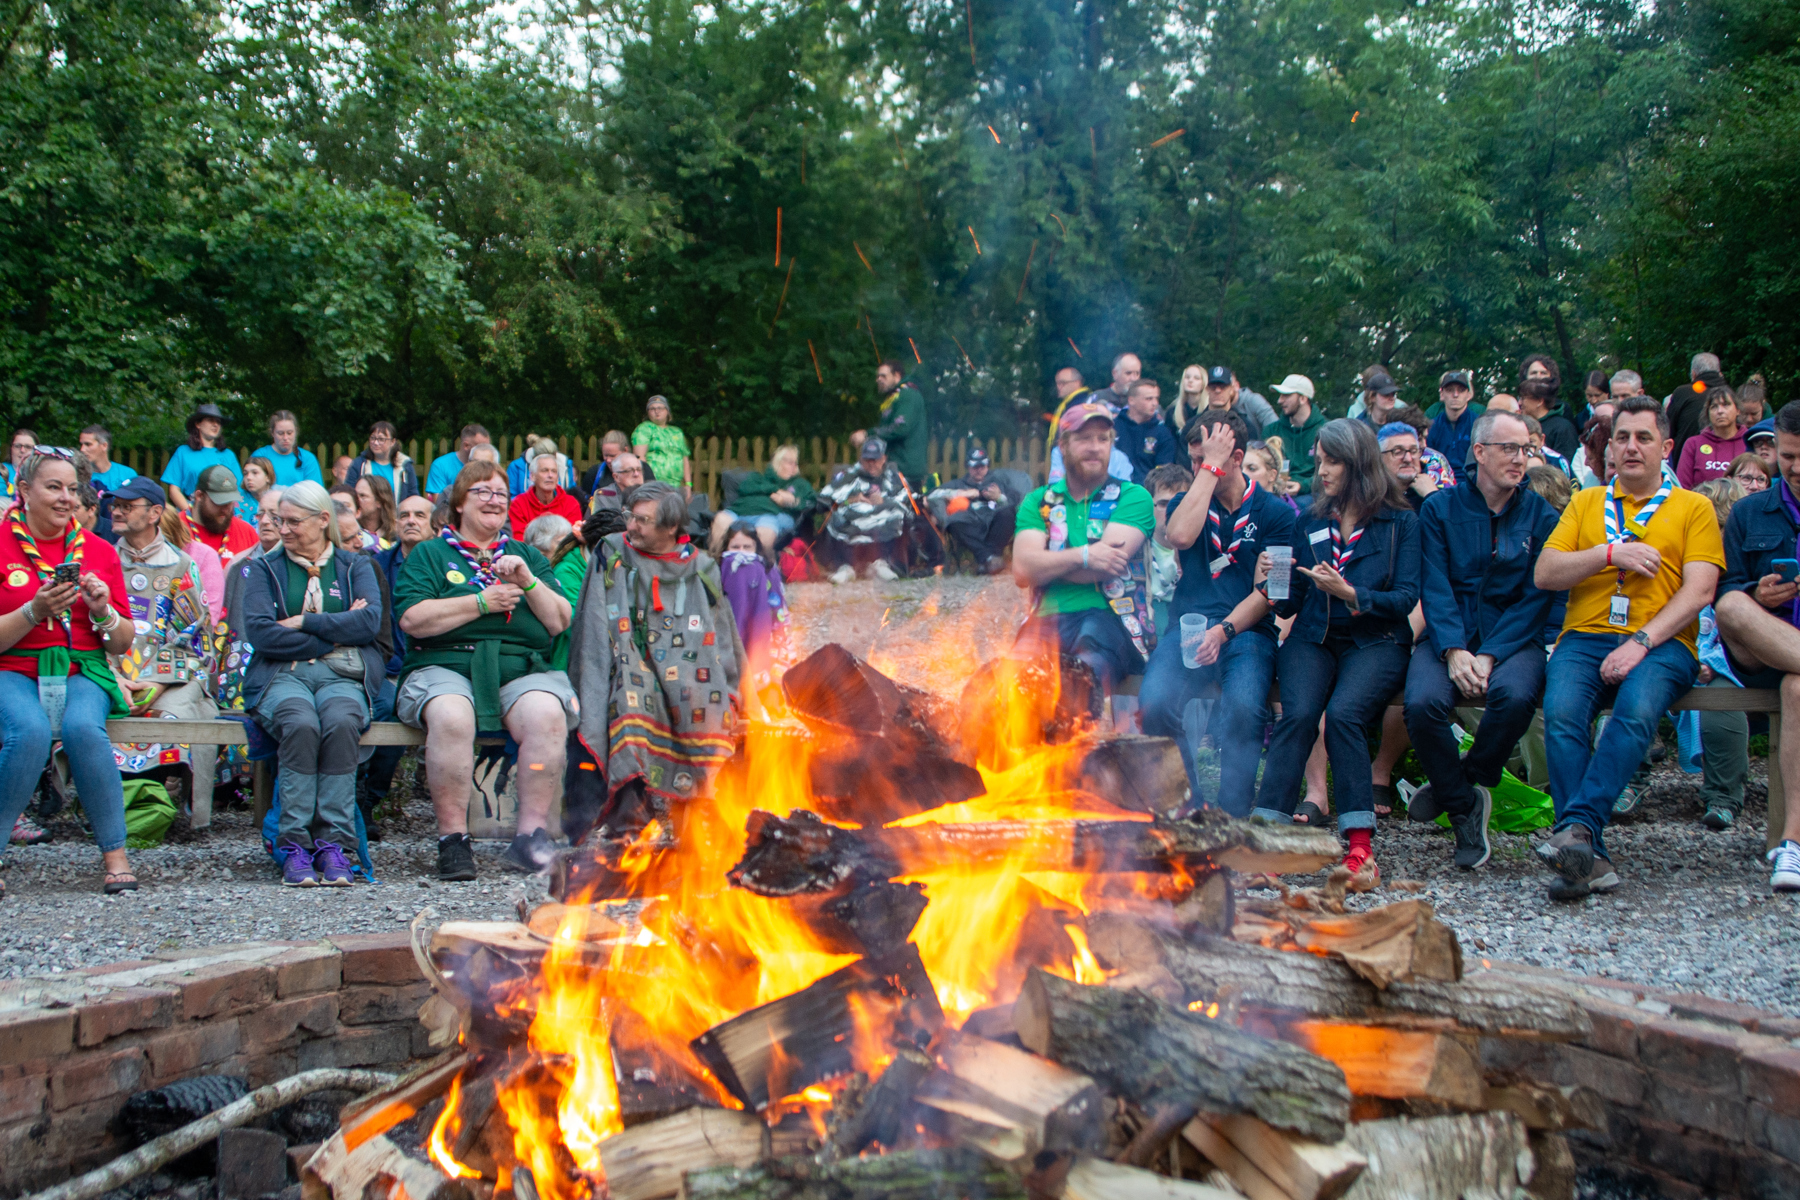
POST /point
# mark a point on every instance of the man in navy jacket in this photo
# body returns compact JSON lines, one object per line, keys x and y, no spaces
{"x":1484,"y":622}
{"x":1143,"y":435}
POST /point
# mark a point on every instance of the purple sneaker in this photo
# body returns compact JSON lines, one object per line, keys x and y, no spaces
{"x":297,"y":871}
{"x":333,"y":870}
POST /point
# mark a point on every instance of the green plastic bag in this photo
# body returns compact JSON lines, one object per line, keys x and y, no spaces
{"x":148,"y":813}
{"x":1518,"y":807}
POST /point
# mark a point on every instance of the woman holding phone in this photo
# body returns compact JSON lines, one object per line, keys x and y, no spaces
{"x":1355,"y":581}
{"x":62,"y":594}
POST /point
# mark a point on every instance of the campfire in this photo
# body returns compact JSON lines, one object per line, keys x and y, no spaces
{"x":917,"y":946}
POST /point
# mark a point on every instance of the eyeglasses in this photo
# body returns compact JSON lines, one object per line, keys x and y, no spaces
{"x":487,"y":493}
{"x":297,"y":522}
{"x":1401,"y":452}
{"x":1508,"y":449}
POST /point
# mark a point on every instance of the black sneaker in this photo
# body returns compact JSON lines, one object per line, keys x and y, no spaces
{"x":1423,"y":807}
{"x":456,"y":859}
{"x":1600,"y":878}
{"x":530,"y":853}
{"x":1471,"y":832}
{"x":1570,"y":852}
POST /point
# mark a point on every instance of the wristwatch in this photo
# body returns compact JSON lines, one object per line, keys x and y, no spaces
{"x":1642,"y":639}
{"x":1229,"y":628}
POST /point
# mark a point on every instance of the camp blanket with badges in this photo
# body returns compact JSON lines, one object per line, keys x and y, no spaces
{"x":173,"y":647}
{"x":1127,"y":595}
{"x":656,"y":661}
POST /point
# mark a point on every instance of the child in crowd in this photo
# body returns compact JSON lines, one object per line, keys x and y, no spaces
{"x":1551,"y":484}
{"x":1723,"y":738}
{"x":1750,"y":473}
{"x":1164,"y":483}
{"x":259,"y":477}
{"x":753,"y":586}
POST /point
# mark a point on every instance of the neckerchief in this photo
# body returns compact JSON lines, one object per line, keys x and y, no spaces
{"x":1343,"y":547}
{"x":1620,"y":531}
{"x":72,"y":550}
{"x":1215,"y":528}
{"x":683,"y":551}
{"x":1127,"y":595}
{"x":481,"y":562}
{"x":314,"y":600}
{"x":1793,"y":511}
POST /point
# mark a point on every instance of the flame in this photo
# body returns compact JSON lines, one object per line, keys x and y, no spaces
{"x":448,"y":1125}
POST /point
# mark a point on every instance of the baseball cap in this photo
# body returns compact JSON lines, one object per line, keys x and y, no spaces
{"x":1450,"y":377}
{"x":1394,"y":429}
{"x":873,"y":448}
{"x":1764,"y":428}
{"x":977,"y":458}
{"x":1295,"y":385}
{"x":138,"y":487}
{"x":1219,"y":377}
{"x":1381,"y":383}
{"x":1077,"y":415}
{"x":219,"y":484}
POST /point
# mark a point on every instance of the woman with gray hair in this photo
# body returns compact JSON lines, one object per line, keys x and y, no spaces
{"x":313,"y":617}
{"x":545,"y":494}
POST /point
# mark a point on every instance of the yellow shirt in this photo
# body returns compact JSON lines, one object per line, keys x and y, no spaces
{"x":1683,"y":530}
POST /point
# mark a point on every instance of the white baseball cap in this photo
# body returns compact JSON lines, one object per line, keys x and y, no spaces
{"x":1295,"y":385}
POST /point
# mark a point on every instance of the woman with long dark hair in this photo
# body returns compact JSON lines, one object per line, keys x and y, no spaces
{"x":375,"y":508}
{"x":1355,"y":580}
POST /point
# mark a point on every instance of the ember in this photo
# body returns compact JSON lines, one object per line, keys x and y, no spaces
{"x":946,"y":949}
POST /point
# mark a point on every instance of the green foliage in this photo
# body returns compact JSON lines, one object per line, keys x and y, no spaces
{"x":422,"y":210}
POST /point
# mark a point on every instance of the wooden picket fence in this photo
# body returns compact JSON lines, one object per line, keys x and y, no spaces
{"x":819,"y":457}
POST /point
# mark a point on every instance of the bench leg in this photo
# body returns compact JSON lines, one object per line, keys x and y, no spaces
{"x":1777,"y":818}
{"x":203,"y":762}
{"x":262,"y":791}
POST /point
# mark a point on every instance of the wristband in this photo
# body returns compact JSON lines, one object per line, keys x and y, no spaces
{"x":1218,"y":472}
{"x":481,"y":602}
{"x":30,"y":611}
{"x":1609,"y":554}
{"x":530,"y":585}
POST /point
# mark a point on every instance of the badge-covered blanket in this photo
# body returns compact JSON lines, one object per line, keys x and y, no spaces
{"x":656,"y":660}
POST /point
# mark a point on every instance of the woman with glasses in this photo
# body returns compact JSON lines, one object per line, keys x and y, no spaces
{"x":24,"y":444}
{"x":313,"y":617}
{"x":481,"y":613}
{"x":62,"y":593}
{"x":383,"y":458}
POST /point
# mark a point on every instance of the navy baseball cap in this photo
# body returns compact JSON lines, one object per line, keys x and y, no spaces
{"x":138,"y":487}
{"x":873,"y":448}
{"x":977,"y":458}
{"x":1219,"y":377}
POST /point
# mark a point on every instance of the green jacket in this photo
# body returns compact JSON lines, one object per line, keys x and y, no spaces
{"x":754,"y":492}
{"x":1297,"y":446}
{"x":907,"y":431}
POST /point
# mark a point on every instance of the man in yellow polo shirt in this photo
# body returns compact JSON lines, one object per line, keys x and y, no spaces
{"x":1639,"y":559}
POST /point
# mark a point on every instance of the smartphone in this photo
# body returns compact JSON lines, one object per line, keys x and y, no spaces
{"x":1787,"y":568}
{"x":66,"y":572}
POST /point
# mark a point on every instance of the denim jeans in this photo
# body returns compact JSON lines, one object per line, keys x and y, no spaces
{"x":25,"y":749}
{"x":1585,"y":779}
{"x":1094,"y":635}
{"x":1350,"y":686}
{"x":1431,"y":698}
{"x":317,"y":717}
{"x":1244,"y":669}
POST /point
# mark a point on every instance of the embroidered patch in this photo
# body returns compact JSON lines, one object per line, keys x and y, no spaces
{"x":139,"y":581}
{"x":683,"y":781}
{"x":160,"y":583}
{"x":670,"y":674}
{"x":694,"y":621}
{"x":631,"y":699}
{"x":687,"y":694}
{"x":677,"y":640}
{"x":699,"y":716}
{"x":637,"y":680}
{"x":703,"y":675}
{"x":690,"y":656}
{"x":624,"y":625}
{"x":716,"y":697}
{"x":707,"y":640}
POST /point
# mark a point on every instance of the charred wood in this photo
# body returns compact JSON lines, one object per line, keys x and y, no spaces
{"x":882,"y":1111}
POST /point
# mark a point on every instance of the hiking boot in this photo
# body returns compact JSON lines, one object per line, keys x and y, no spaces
{"x":334,"y":871}
{"x":530,"y":853}
{"x":1785,"y":858}
{"x":1424,"y":807}
{"x":1600,"y":878}
{"x":27,"y":832}
{"x":297,"y":869}
{"x":1471,"y":831}
{"x":882,"y":571}
{"x":456,"y":858}
{"x":1718,"y":816}
{"x":1569,"y":852}
{"x":1634,"y":794}
{"x":994,"y":565}
{"x":844,"y":574}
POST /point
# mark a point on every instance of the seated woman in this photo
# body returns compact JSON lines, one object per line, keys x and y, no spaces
{"x":770,"y":502}
{"x":313,"y":617}
{"x":752,"y":583}
{"x":480,"y":613}
{"x":1355,"y":581}
{"x":54,"y":639}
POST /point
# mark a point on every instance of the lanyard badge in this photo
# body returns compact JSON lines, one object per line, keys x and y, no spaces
{"x":1618,"y":613}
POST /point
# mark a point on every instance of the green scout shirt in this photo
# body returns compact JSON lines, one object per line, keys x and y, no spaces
{"x":754,"y":492}
{"x":1297,"y":446}
{"x":667,"y":448}
{"x":571,"y":573}
{"x":907,"y":431}
{"x":1134,"y":508}
{"x":328,"y":583}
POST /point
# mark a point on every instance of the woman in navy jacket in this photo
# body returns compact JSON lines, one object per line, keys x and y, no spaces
{"x":1356,"y":579}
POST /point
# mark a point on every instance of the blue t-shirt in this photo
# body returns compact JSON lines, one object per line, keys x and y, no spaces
{"x":113,"y":478}
{"x":1270,"y":523}
{"x":292,"y":468}
{"x":186,"y":464}
{"x":385,"y":470}
{"x":444,"y":470}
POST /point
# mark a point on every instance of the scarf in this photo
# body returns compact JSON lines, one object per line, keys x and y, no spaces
{"x":1215,"y":528}
{"x":1618,"y":530}
{"x":681,"y":553}
{"x":481,"y":562}
{"x":1343,"y":547}
{"x":55,"y":661}
{"x":72,"y":550}
{"x":314,"y":600}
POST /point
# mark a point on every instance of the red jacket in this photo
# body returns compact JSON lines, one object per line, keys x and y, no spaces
{"x":526,"y":508}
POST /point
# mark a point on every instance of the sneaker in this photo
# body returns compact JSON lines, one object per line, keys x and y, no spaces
{"x":1630,"y":798}
{"x":1786,"y":860}
{"x":1569,"y":852}
{"x":1471,"y":831}
{"x":334,"y":871}
{"x":456,"y":858}
{"x":27,"y":832}
{"x":1423,"y":807}
{"x":530,"y":853}
{"x":1600,"y":878}
{"x":1365,"y":873}
{"x":844,"y":574}
{"x":880,"y":570}
{"x":297,"y":869}
{"x":994,"y":565}
{"x":1718,"y":817}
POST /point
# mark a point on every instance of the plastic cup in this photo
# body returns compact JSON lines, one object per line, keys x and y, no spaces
{"x":1281,"y":571}
{"x":1193,"y":633}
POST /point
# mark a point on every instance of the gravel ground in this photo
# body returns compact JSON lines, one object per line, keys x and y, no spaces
{"x":1694,"y":914}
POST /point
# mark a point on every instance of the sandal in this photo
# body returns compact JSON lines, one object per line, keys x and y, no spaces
{"x":120,"y":881}
{"x":1384,"y":799}
{"x":1311,"y":814}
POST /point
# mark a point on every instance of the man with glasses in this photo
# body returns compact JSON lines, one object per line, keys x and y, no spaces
{"x":1484,"y":623}
{"x":1404,"y":456}
{"x":382,"y":456}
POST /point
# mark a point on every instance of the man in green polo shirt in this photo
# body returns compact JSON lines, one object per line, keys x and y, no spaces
{"x":1077,"y":549}
{"x":1297,"y":427}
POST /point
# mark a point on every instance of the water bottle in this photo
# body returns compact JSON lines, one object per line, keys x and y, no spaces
{"x":1193,"y":632}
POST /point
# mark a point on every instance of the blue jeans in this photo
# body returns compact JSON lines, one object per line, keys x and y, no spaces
{"x":25,"y":749}
{"x":781,"y":523}
{"x":1585,"y":779}
{"x":1431,"y":700}
{"x":1093,"y":635}
{"x":1243,"y":671}
{"x":1350,"y":686}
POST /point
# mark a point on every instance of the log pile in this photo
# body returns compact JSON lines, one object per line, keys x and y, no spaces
{"x":1278,"y":1050}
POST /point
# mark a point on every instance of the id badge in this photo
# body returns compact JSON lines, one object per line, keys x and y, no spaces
{"x":1620,"y":612}
{"x":1219,"y":564}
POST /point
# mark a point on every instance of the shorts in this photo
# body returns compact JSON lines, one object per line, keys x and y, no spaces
{"x":1768,"y":677}
{"x":781,"y":523}
{"x":428,"y":683}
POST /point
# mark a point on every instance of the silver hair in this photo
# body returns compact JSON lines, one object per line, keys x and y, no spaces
{"x":541,"y":447}
{"x":312,"y":498}
{"x":274,"y":492}
{"x":547,"y":532}
{"x":671,"y":509}
{"x":1627,"y":377}
{"x":1702,"y":362}
{"x":1484,"y":425}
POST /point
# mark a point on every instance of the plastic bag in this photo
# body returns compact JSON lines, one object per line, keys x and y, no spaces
{"x":148,"y":813}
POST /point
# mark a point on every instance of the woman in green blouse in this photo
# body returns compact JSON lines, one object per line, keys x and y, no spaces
{"x":662,"y":445}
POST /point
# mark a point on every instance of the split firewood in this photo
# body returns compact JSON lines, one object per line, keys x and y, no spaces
{"x":1441,"y":1158}
{"x":952,"y":1174}
{"x":1210,"y":907}
{"x":377,"y":1112}
{"x":1157,"y":1056}
{"x":647,"y":1162}
{"x":782,"y":1046}
{"x":656,"y":1079}
{"x":378,"y":1166}
{"x":874,"y":780}
{"x":1402,"y":941}
{"x":833,"y":689}
{"x":1396,"y":1064}
{"x":586,"y":922}
{"x":1097,"y":1179}
{"x":1543,"y":1106}
{"x":1046,"y":1105}
{"x":1230,"y":972}
{"x":1244,"y":1174}
{"x":871,"y":919}
{"x":1140,"y":774}
{"x":881,"y":1111}
{"x":1301,"y":1169}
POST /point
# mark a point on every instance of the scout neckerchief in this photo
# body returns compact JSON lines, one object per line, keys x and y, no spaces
{"x":314,"y":599}
{"x":1793,"y":511}
{"x":72,"y":552}
{"x":1127,"y":595}
{"x":481,"y":562}
{"x":683,"y":551}
{"x":1619,"y":531}
{"x":1343,"y":547}
{"x":1224,"y":555}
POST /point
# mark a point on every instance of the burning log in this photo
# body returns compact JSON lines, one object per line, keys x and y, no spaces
{"x":1143,"y":774}
{"x":780,"y":1047}
{"x":1160,"y":1057}
{"x":1401,"y":941}
{"x":1040,"y":1104}
{"x":1268,"y":1164}
{"x":1396,"y":1064}
{"x":370,"y":1116}
{"x":871,"y":919}
{"x":881,"y":1112}
{"x":1233,"y":974}
{"x":1053,"y":699}
{"x":1442,"y":1158}
{"x":647,"y":1162}
{"x":872,"y":780}
{"x":907,"y":1175}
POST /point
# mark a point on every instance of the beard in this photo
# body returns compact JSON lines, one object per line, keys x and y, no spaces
{"x":214,"y":520}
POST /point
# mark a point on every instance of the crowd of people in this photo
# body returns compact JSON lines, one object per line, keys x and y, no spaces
{"x":1268,"y":577}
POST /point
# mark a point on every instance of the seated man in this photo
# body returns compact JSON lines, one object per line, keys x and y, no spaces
{"x":1756,"y":613}
{"x":1639,"y":560}
{"x":627,"y":473}
{"x":1220,"y":526}
{"x":978,"y":511}
{"x":1077,"y":549}
{"x":1484,"y":617}
{"x":869,"y":518}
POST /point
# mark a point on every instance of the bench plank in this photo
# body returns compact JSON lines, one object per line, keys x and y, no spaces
{"x":231,"y":733}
